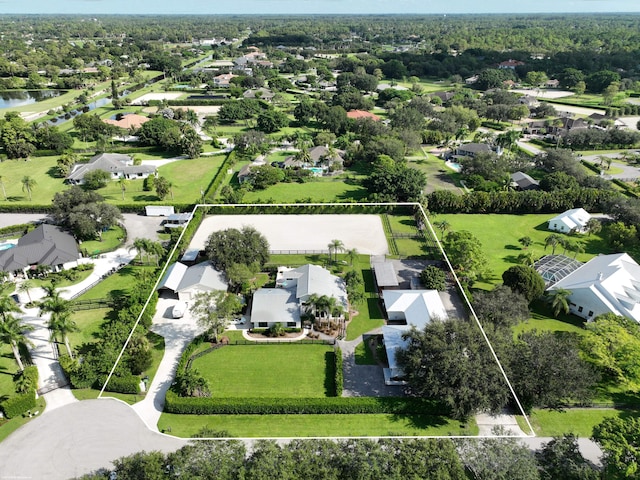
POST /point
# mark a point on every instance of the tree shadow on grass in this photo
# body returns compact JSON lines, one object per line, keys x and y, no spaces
{"x":421,"y":421}
{"x":145,"y":198}
{"x":15,"y":198}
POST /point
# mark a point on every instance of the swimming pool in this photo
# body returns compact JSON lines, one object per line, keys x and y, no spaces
{"x":6,"y":245}
{"x":316,"y":170}
{"x":454,"y":166}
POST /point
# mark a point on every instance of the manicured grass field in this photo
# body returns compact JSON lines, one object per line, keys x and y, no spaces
{"x":88,"y":322}
{"x":111,"y":240}
{"x":314,"y":425}
{"x":118,"y":283}
{"x":318,"y":190}
{"x":579,"y":421}
{"x":499,"y":236}
{"x":8,"y":367}
{"x":287,"y":370}
{"x":41,"y":169}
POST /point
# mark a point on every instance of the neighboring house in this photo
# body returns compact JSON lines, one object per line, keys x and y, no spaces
{"x":244,"y":174}
{"x":184,"y":282}
{"x":529,"y":101}
{"x":536,"y":127}
{"x":605,"y":284}
{"x":321,"y":154}
{"x":522,"y":181}
{"x":129,"y":121}
{"x":406,"y":309}
{"x":444,"y":96}
{"x":159,"y":210}
{"x":567,"y":125}
{"x":574,"y":220}
{"x":553,"y":83}
{"x":116,"y":164}
{"x":265,"y":94}
{"x":223,"y":80}
{"x":45,"y":245}
{"x":510,"y":64}
{"x":294,"y":288}
{"x":471,"y":80}
{"x":472,"y":149}
{"x":360,"y":114}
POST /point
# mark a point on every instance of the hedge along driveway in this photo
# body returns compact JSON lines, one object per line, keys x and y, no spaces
{"x":274,"y":370}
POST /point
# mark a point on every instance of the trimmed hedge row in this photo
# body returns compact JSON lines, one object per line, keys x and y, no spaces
{"x":128,"y":384}
{"x":301,"y":406}
{"x":212,"y":189}
{"x":339,"y":374}
{"x":18,"y":404}
{"x":295,"y":209}
{"x":21,"y":229}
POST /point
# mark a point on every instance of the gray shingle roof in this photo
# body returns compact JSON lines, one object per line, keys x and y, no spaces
{"x":45,"y":245}
{"x":114,"y":163}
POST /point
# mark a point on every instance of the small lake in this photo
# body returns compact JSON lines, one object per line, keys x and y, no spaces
{"x":18,"y":98}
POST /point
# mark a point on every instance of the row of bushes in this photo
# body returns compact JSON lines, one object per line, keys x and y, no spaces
{"x":298,"y":209}
{"x":25,"y":401}
{"x":267,"y":331}
{"x":216,"y":182}
{"x":339,"y":375}
{"x":301,"y":406}
{"x":20,"y":229}
{"x":18,"y":404}
{"x":127,"y":384}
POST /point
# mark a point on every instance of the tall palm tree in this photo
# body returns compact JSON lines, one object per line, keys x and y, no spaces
{"x":443,"y":226}
{"x":7,"y":306}
{"x":123,"y":182}
{"x":560,"y":301}
{"x":593,"y":226}
{"x":352,"y":254}
{"x":12,"y":332}
{"x":25,"y":286}
{"x":28,"y":184}
{"x":552,"y":240}
{"x":335,"y":246}
{"x":60,"y":322}
{"x":141,"y":245}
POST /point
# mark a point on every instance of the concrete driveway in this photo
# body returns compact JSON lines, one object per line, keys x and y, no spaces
{"x":141,"y":226}
{"x":77,"y":439}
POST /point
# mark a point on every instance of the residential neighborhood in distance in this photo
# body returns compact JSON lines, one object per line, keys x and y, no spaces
{"x":287,"y":234}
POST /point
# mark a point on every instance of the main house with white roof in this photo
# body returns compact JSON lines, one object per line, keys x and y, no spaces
{"x":294,"y":288}
{"x":605,"y":284}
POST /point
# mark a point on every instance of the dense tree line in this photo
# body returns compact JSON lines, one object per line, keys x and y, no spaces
{"x":482,"y":459}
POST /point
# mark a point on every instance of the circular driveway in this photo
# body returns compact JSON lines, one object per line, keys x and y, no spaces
{"x":77,"y":439}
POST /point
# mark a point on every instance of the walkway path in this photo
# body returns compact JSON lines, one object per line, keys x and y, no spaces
{"x":363,"y":380}
{"x":505,"y":422}
{"x":177,"y":333}
{"x":44,"y":356}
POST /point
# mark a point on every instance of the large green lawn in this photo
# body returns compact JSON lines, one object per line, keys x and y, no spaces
{"x":579,"y":421}
{"x":323,"y":189}
{"x":314,"y":425}
{"x":499,"y":236}
{"x":117,"y":284}
{"x":286,"y":370}
{"x":40,"y":169}
{"x":88,"y":322}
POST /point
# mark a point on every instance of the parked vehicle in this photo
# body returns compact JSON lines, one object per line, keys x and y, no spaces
{"x":179,"y":310}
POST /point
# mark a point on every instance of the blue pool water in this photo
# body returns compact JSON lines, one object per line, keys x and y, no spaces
{"x":6,"y":246}
{"x":316,"y":170}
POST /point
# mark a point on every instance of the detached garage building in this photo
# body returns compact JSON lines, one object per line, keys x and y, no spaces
{"x":184,"y":282}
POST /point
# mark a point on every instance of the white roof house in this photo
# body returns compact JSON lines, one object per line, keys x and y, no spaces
{"x":605,"y":284}
{"x":185,"y":281}
{"x":572,"y":220}
{"x":116,"y":164}
{"x":414,"y":308}
{"x":294,"y":286}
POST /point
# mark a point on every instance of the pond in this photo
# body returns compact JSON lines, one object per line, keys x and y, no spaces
{"x":18,"y":98}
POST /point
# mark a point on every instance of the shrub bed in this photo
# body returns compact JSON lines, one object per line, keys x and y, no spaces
{"x":301,"y":406}
{"x":339,"y":376}
{"x":18,"y":404}
{"x":128,"y":384}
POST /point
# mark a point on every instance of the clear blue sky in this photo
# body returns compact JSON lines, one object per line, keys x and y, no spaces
{"x":314,"y":6}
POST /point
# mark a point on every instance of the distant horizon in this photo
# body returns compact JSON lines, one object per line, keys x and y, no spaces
{"x":315,"y":7}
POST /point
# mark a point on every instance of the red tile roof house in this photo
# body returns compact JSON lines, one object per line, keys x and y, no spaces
{"x":358,"y":114}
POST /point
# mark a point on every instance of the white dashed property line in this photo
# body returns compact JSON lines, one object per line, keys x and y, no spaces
{"x":359,"y":204}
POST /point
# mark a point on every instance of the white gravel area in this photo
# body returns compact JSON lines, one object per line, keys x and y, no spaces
{"x":156,"y":96}
{"x":539,"y":93}
{"x":630,"y":122}
{"x":577,"y":110}
{"x":303,"y":232}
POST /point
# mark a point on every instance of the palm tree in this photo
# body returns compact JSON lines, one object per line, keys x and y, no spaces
{"x":352,"y":254}
{"x":123,"y":182}
{"x":141,"y":246}
{"x":27,"y":184}
{"x":7,"y":306}
{"x":25,"y":286}
{"x":60,"y":322}
{"x":527,"y":258}
{"x":443,"y":226}
{"x":553,"y":240}
{"x":593,"y":226}
{"x":560,"y":301}
{"x":335,"y":246}
{"x":525,"y":242}
{"x":12,"y":332}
